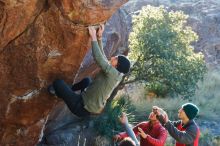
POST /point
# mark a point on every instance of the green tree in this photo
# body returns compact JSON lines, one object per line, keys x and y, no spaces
{"x":160,"y":44}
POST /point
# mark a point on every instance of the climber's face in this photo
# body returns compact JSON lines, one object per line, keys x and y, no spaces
{"x":114,"y":61}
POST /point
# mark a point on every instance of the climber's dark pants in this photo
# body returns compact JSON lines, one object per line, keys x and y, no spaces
{"x":73,"y":101}
{"x":82,"y":85}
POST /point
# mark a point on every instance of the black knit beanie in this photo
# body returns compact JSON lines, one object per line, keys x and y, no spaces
{"x":191,"y":110}
{"x":123,"y":65}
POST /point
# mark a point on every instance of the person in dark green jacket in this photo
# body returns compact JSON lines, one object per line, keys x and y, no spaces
{"x":185,"y":131}
{"x":94,"y":95}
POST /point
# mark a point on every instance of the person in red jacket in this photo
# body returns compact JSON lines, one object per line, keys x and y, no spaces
{"x":151,"y":132}
{"x":185,"y":131}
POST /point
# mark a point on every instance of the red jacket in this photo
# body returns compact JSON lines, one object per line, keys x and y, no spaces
{"x":157,"y":134}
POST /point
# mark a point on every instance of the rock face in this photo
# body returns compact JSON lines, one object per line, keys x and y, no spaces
{"x":204,"y":18}
{"x":40,"y":41}
{"x":62,"y":127}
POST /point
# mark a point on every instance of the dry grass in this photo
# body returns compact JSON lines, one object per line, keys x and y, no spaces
{"x":207,"y":98}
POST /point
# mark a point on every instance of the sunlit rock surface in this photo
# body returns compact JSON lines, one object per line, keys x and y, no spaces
{"x":63,"y":128}
{"x":40,"y":40}
{"x":204,"y":18}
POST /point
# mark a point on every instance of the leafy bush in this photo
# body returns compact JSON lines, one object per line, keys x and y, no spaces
{"x":108,"y":124}
{"x":161,"y":49}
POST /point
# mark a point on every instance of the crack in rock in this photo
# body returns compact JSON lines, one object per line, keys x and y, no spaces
{"x":27,"y":95}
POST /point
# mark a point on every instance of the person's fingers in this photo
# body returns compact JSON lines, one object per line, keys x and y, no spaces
{"x":166,"y":118}
{"x":122,"y":119}
{"x":116,"y":137}
{"x":139,"y":133}
{"x":102,"y":25}
{"x":99,"y":28}
{"x":123,"y":114}
{"x":140,"y":129}
{"x":91,"y":28}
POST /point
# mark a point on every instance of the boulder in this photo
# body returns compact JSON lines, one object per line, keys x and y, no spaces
{"x":56,"y":132}
{"x":41,"y":41}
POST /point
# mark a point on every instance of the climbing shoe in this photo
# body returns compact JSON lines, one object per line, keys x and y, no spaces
{"x":51,"y":90}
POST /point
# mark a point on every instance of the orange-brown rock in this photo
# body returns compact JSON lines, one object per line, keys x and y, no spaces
{"x":40,"y":40}
{"x":62,"y":127}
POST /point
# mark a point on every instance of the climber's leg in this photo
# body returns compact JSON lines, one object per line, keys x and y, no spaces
{"x":51,"y":90}
{"x":80,"y":111}
{"x":73,"y":101}
{"x":82,"y":85}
